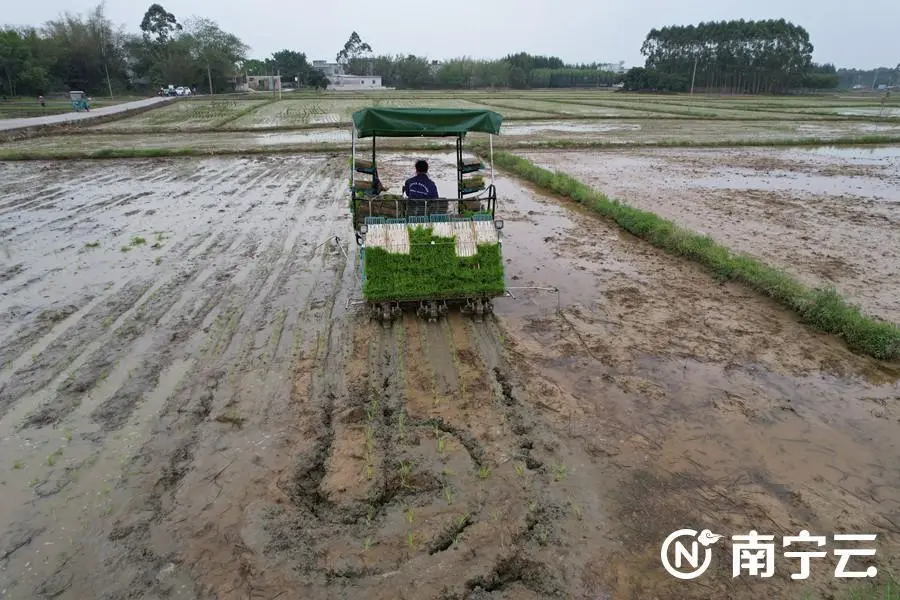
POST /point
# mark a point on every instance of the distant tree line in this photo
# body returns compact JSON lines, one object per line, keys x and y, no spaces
{"x":869,"y":78}
{"x":738,"y":56}
{"x":89,"y":53}
{"x":516,"y":71}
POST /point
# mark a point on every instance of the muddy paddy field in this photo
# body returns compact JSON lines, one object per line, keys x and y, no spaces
{"x":190,"y":408}
{"x":828,"y":215}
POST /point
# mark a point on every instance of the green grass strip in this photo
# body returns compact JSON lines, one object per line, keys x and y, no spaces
{"x":823,"y":309}
{"x":432,"y":271}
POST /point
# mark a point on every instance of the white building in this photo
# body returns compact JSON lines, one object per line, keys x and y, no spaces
{"x":338,"y":80}
{"x":355,"y":82}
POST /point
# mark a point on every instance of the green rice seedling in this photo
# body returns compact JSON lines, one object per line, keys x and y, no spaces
{"x":405,"y":471}
{"x":138,"y":241}
{"x":432,"y":270}
{"x":401,"y":424}
{"x":484,"y":472}
{"x":372,"y":410}
{"x":125,"y":249}
{"x":92,"y":245}
{"x":19,"y":464}
{"x":472,"y":183}
{"x":53,"y":458}
{"x":559,"y":472}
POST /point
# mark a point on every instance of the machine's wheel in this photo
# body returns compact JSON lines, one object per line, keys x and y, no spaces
{"x":374,"y":312}
{"x":432,"y":310}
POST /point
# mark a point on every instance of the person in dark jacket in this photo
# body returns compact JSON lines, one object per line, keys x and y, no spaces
{"x":420,"y":186}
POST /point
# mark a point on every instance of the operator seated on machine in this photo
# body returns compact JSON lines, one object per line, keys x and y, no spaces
{"x":420,"y":187}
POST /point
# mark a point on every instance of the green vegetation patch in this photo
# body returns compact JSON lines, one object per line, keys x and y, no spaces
{"x":821,"y":308}
{"x":432,"y":271}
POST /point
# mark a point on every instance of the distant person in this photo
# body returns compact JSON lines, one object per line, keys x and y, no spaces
{"x":420,"y":186}
{"x":41,"y":100}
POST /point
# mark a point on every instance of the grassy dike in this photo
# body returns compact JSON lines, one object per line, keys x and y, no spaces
{"x":823,"y":309}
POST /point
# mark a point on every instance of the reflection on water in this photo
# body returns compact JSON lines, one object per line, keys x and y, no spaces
{"x":568,"y":127}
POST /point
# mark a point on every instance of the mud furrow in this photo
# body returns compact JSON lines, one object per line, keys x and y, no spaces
{"x":26,"y":335}
{"x":22,"y":204}
{"x":183,"y":435}
{"x":314,"y":393}
{"x":62,"y":352}
{"x":113,"y":412}
{"x":99,"y":365}
{"x":53,"y":223}
{"x":116,"y":410}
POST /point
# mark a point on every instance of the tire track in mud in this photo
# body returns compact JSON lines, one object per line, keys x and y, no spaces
{"x":85,"y":335}
{"x":103,"y":360}
{"x":47,"y":200}
{"x":26,"y":335}
{"x":112,"y":413}
{"x":199,"y":404}
{"x":390,"y":482}
{"x":224,"y":349}
{"x":49,"y":363}
{"x":180,"y":449}
{"x":273,"y":268}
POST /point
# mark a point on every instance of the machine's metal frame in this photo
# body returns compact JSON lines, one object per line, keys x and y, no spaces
{"x":481,"y":203}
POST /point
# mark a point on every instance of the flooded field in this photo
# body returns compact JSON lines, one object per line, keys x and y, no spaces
{"x":268,"y":112}
{"x":188,"y":407}
{"x":185,"y":114}
{"x":829,"y":216}
{"x":514,"y":134}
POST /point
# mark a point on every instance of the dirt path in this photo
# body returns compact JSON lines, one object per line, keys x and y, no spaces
{"x":828,"y":216}
{"x":216,"y":424}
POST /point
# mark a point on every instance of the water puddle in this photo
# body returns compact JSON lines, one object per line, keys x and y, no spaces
{"x":863,"y":154}
{"x":303,"y":137}
{"x":568,"y":127}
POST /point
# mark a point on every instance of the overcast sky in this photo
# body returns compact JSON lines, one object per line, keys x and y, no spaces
{"x":862,"y":33}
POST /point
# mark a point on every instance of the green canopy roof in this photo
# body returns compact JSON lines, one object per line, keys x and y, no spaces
{"x":427,"y":122}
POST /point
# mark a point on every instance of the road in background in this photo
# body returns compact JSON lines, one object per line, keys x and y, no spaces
{"x":8,"y":124}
